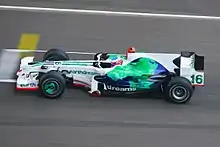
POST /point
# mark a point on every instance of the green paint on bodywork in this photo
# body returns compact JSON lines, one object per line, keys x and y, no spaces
{"x":38,"y":64}
{"x":139,"y":71}
{"x":77,"y":63}
{"x":144,"y":66}
{"x":58,"y":63}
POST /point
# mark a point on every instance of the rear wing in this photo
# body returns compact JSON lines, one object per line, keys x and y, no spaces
{"x":191,"y":66}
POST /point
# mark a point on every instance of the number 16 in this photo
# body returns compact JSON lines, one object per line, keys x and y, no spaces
{"x":197,"y":79}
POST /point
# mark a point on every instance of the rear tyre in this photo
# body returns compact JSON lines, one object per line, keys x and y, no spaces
{"x":52,"y":84}
{"x":179,"y":90}
{"x":55,"y":55}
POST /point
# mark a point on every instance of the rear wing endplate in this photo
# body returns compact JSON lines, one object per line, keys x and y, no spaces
{"x":192,"y":67}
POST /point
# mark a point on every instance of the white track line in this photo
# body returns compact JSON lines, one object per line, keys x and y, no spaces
{"x":43,"y":51}
{"x":116,"y":13}
{"x":7,"y":81}
{"x":8,"y":64}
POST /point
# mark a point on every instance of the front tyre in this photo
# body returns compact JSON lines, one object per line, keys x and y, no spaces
{"x":55,"y":55}
{"x":179,"y":90}
{"x":52,"y":84}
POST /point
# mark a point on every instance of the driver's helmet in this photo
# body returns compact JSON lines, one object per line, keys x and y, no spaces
{"x":116,"y":61}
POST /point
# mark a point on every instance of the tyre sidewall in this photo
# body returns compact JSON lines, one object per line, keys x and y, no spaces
{"x":55,"y":54}
{"x":183,"y":84}
{"x":59,"y":91}
{"x":56,"y":78}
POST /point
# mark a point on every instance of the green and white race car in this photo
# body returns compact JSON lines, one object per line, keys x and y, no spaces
{"x":175,"y":75}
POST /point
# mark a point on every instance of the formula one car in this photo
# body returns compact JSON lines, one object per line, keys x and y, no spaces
{"x":175,"y":75}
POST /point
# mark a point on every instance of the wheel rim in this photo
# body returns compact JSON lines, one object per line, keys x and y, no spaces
{"x":51,"y":87}
{"x":179,"y":93}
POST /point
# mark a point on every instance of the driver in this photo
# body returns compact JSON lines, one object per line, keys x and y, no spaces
{"x":118,"y":59}
{"x":114,"y":59}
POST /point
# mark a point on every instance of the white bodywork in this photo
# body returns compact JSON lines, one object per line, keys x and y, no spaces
{"x":82,"y":71}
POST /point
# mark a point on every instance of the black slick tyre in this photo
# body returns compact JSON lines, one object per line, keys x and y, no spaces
{"x":178,"y":90}
{"x":55,"y":55}
{"x":52,"y":85}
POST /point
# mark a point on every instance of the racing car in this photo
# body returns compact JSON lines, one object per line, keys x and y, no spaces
{"x":174,"y":75}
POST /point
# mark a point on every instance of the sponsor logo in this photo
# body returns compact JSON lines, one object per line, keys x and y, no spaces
{"x":109,"y":87}
{"x":27,"y":75}
{"x":57,"y":63}
{"x":28,"y":85}
{"x":83,"y":72}
{"x":30,"y":75}
{"x":49,"y":62}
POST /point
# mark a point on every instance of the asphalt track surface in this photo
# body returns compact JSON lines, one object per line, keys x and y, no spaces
{"x":196,"y":7}
{"x":79,"y":120}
